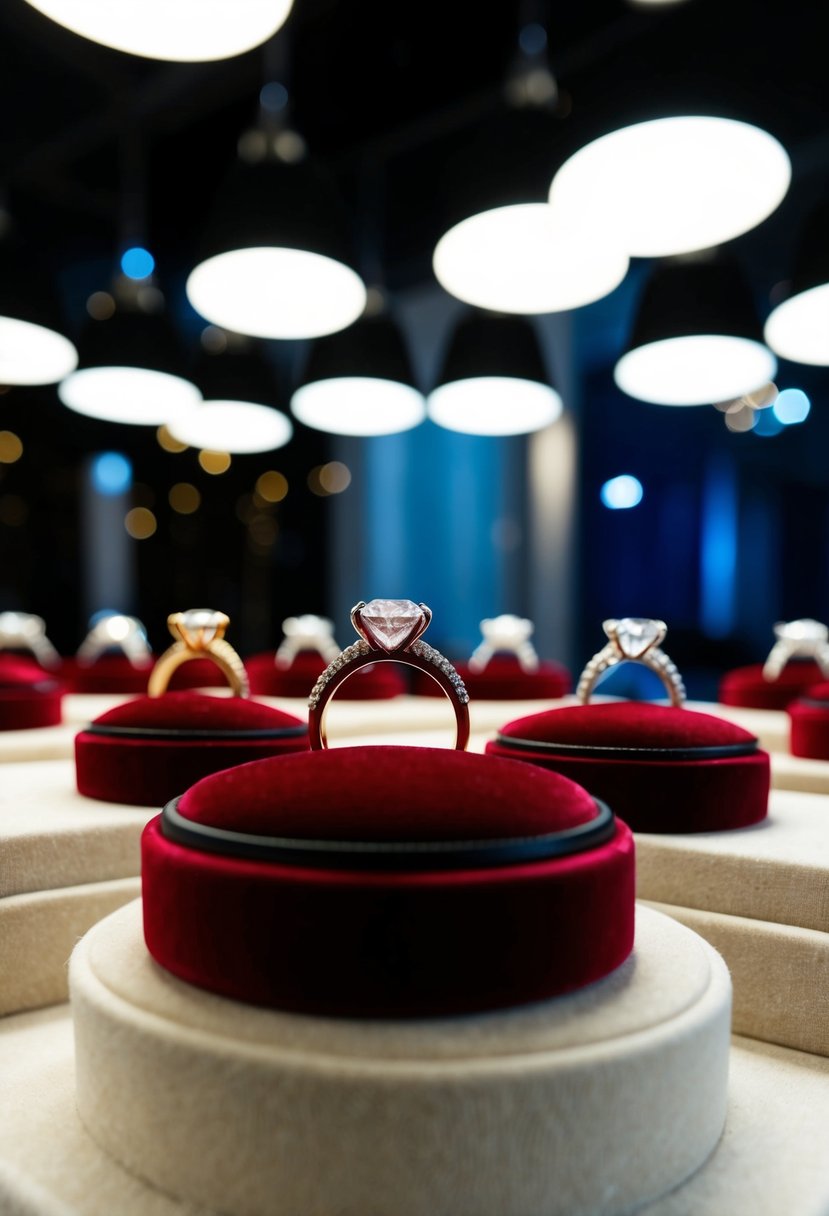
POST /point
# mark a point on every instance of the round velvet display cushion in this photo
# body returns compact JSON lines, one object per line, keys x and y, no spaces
{"x":503,"y":679}
{"x":147,"y":751}
{"x":389,"y":882}
{"x":662,"y":769}
{"x":111,"y":673}
{"x":809,"y":718}
{"x":746,"y":686}
{"x":29,"y":696}
{"x":376,"y":682}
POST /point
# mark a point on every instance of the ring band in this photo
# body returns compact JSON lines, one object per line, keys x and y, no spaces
{"x":505,"y":633}
{"x":806,"y":639}
{"x":633,"y":640}
{"x":390,"y":632}
{"x":200,"y":635}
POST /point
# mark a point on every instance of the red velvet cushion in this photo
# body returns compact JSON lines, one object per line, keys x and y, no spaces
{"x":111,"y":673}
{"x":380,"y":942}
{"x":746,"y":686}
{"x":653,"y":792}
{"x":809,"y":719}
{"x":29,"y":696}
{"x":503,"y":680}
{"x":376,"y":682}
{"x":147,"y":769}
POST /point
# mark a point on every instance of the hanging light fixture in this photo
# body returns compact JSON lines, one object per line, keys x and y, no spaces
{"x":696,"y":338}
{"x":493,"y":380}
{"x":674,"y":184}
{"x":235,"y":415}
{"x":798,"y":328}
{"x":32,"y":348}
{"x":276,"y":259}
{"x":188,"y":31}
{"x":131,"y":368}
{"x":360,"y":382}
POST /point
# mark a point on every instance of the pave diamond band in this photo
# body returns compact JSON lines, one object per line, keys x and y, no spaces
{"x":390,"y":631}
{"x":636,"y":640}
{"x":803,"y":639}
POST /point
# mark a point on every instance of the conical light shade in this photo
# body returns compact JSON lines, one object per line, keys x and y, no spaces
{"x":237,"y":413}
{"x":131,"y":370}
{"x":186,"y":31}
{"x":493,"y":380}
{"x":360,"y":382}
{"x":798,"y":329}
{"x":276,"y":259}
{"x":33,"y":350}
{"x":696,"y":338}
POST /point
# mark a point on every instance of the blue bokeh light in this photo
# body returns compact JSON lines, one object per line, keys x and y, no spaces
{"x":532,"y":38}
{"x":137,"y":263}
{"x":111,"y":474}
{"x":273,"y":97}
{"x":768,"y":424}
{"x":622,"y":492}
{"x":791,"y":406}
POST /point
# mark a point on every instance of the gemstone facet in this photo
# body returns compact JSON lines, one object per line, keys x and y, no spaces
{"x":635,"y":635}
{"x":804,"y":630}
{"x":391,"y":625}
{"x":203,"y":621}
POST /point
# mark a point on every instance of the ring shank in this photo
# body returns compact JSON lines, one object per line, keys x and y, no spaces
{"x":219,"y":652}
{"x":317,"y":734}
{"x":605,"y":659}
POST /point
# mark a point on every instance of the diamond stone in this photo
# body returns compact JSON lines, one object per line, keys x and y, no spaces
{"x":805,"y":630}
{"x":391,"y":624}
{"x":634,"y":635}
{"x":204,"y":619}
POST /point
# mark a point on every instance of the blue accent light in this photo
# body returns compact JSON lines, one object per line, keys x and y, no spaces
{"x":273,"y":97}
{"x":532,"y":38}
{"x":137,"y":263}
{"x":792,"y":405}
{"x":111,"y":474}
{"x":622,"y":492}
{"x":718,"y":541}
{"x":767,"y":424}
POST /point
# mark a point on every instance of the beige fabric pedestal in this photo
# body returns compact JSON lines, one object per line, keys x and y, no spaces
{"x":592,"y":1103}
{"x":798,"y":773}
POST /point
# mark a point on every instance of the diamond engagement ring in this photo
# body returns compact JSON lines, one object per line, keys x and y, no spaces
{"x":24,"y":631}
{"x":390,"y":631}
{"x":199,"y":634}
{"x":638,"y":640}
{"x":505,"y":633}
{"x":306,"y":632}
{"x":114,"y":631}
{"x":803,"y":639}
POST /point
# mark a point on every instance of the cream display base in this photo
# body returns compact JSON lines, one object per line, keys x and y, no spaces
{"x":780,"y":976}
{"x":593,"y":1103}
{"x":777,"y":870}
{"x":51,"y":837}
{"x":42,"y":743}
{"x":769,"y":726}
{"x":39,"y":931}
{"x":798,"y":773}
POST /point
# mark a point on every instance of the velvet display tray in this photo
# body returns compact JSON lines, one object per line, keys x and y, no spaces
{"x":377,"y":682}
{"x":776,"y":871}
{"x":150,"y":749}
{"x":387,"y":881}
{"x":30,"y":698}
{"x":503,"y":679}
{"x":809,"y":718}
{"x":746,"y":686}
{"x":769,"y":726}
{"x":662,"y":769}
{"x":38,"y":932}
{"x":494,"y":1114}
{"x":780,"y":976}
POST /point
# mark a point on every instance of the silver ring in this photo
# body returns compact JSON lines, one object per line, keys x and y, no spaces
{"x":114,"y":631}
{"x":306,"y":632}
{"x":633,"y":639}
{"x":805,"y":639}
{"x":505,"y":633}
{"x":24,"y":631}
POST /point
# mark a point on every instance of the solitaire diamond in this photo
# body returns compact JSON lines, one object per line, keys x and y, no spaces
{"x":635,"y":635}
{"x":203,"y":621}
{"x":805,"y":630}
{"x":391,"y":624}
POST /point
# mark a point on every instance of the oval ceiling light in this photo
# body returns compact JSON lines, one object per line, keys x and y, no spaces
{"x":525,"y":259}
{"x":493,"y":380}
{"x":236,"y":415}
{"x":675,"y":185}
{"x":696,"y":338}
{"x":798,"y":328}
{"x":187,"y":31}
{"x":360,"y":382}
{"x":32,"y":348}
{"x":276,"y":259}
{"x":131,"y":370}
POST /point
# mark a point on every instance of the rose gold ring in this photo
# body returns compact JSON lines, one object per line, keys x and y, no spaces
{"x":633,"y":639}
{"x":390,"y":632}
{"x":200,"y":634}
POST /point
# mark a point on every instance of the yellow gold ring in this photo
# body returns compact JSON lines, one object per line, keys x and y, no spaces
{"x":199,"y":634}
